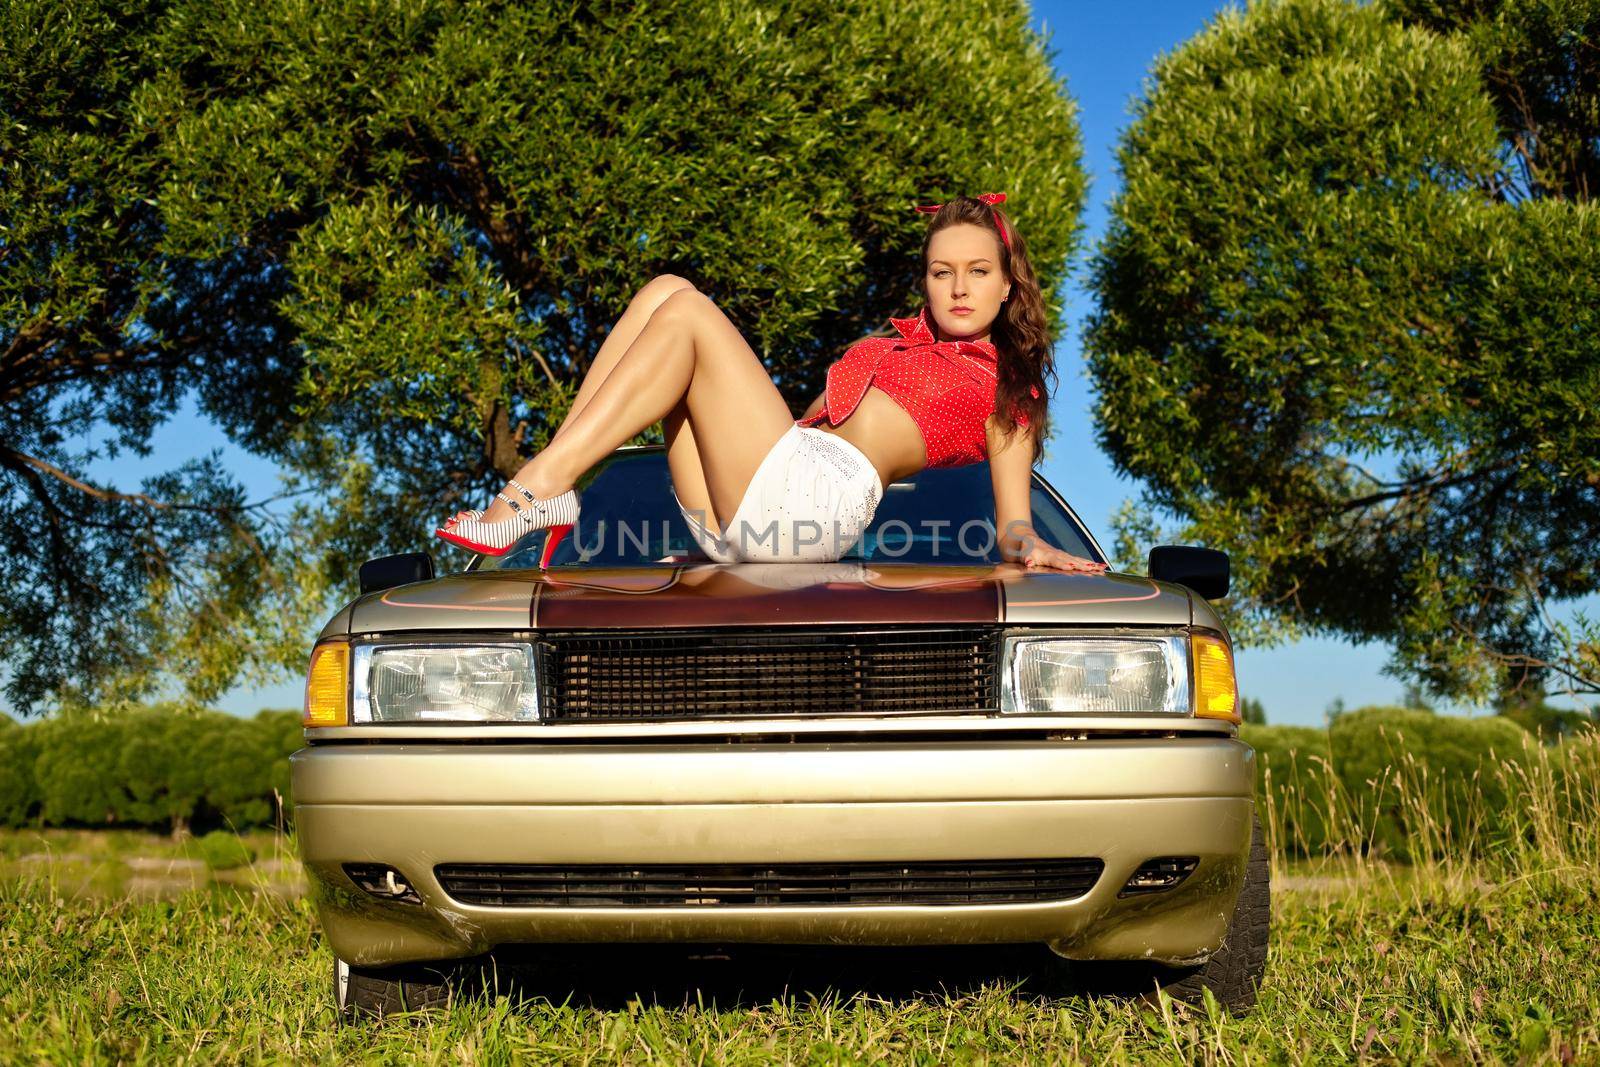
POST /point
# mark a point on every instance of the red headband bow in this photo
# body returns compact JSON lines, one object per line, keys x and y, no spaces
{"x":988,"y":198}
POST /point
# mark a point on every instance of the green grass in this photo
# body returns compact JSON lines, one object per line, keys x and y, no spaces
{"x":1482,"y":951}
{"x":116,"y":863}
{"x":1368,"y":962}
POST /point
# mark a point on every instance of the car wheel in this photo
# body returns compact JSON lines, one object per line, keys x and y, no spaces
{"x":377,"y":992}
{"x":1234,"y":971}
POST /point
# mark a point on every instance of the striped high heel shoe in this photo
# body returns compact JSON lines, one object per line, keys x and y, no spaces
{"x":470,"y":531}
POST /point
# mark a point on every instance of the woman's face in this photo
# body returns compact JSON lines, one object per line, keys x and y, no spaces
{"x":964,"y":282}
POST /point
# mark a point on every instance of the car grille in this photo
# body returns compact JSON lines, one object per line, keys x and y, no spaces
{"x":766,"y":673}
{"x":943,"y":882}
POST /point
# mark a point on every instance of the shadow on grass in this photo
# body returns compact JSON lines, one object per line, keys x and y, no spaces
{"x":610,"y":977}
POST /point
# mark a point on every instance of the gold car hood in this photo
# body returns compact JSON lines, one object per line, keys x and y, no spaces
{"x":767,"y":594}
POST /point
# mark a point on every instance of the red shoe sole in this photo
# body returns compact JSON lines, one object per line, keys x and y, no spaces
{"x":457,"y":539}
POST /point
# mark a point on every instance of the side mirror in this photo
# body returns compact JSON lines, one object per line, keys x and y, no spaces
{"x":1205,"y":570}
{"x":386,"y":572}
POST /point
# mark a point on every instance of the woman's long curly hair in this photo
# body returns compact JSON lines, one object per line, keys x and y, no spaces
{"x":1021,"y":332}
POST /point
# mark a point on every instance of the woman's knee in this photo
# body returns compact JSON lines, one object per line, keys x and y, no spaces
{"x":682,"y":305}
{"x":651,"y":295}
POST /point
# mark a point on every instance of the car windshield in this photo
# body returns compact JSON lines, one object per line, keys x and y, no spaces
{"x":944,"y":515}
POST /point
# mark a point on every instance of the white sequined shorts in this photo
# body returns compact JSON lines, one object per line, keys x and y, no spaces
{"x":809,"y":502}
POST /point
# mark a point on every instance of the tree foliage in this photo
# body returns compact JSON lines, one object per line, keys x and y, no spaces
{"x":103,"y":333}
{"x":380,"y":245}
{"x":1413,"y":784}
{"x":1529,"y":710}
{"x":162,"y":766}
{"x":1541,"y":66}
{"x":1348,"y":311}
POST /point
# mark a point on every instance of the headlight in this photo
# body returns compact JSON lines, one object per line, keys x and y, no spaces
{"x":1096,"y":675}
{"x":444,"y":683}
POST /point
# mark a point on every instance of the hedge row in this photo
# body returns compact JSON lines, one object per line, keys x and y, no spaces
{"x":159,"y":766}
{"x":1389,"y":779}
{"x":1412,"y":784}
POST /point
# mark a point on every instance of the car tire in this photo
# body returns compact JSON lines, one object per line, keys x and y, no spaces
{"x":1234,"y":971}
{"x":378,"y":992}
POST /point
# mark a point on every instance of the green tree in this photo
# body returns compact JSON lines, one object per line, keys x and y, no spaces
{"x":1417,"y":779}
{"x":1415,"y":698}
{"x":283,"y":735}
{"x":1541,"y":66}
{"x":105,"y":330}
{"x":76,"y":769}
{"x":1348,"y":326}
{"x":380,"y":246}
{"x":164,"y":765}
{"x":1294,"y":781}
{"x":1528,"y":708}
{"x":1252,"y":712}
{"x":239,"y":771}
{"x":158,"y":766}
{"x":19,"y":793}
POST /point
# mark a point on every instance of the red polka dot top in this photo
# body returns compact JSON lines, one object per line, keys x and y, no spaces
{"x":947,"y":387}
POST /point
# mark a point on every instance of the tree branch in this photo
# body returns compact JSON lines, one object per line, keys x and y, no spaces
{"x":1423,"y":485}
{"x":18,"y":461}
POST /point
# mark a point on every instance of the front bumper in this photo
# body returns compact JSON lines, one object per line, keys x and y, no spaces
{"x":1125,"y":801}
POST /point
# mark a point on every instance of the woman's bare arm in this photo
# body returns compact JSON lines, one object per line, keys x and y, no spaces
{"x":1011,"y":471}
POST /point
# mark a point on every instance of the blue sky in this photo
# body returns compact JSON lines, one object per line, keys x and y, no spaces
{"x":1104,"y":51}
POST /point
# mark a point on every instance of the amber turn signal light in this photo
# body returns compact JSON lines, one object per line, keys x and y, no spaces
{"x":328,"y":685}
{"x":1216,"y":692}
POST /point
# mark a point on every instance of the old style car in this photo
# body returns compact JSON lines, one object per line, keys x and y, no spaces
{"x":602,"y":736}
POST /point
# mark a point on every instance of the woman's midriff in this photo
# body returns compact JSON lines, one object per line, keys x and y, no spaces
{"x":886,"y":433}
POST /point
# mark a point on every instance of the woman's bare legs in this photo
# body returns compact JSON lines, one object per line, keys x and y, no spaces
{"x":682,"y":458}
{"x":689,"y":353}
{"x":683,"y":455}
{"x":622,"y":335}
